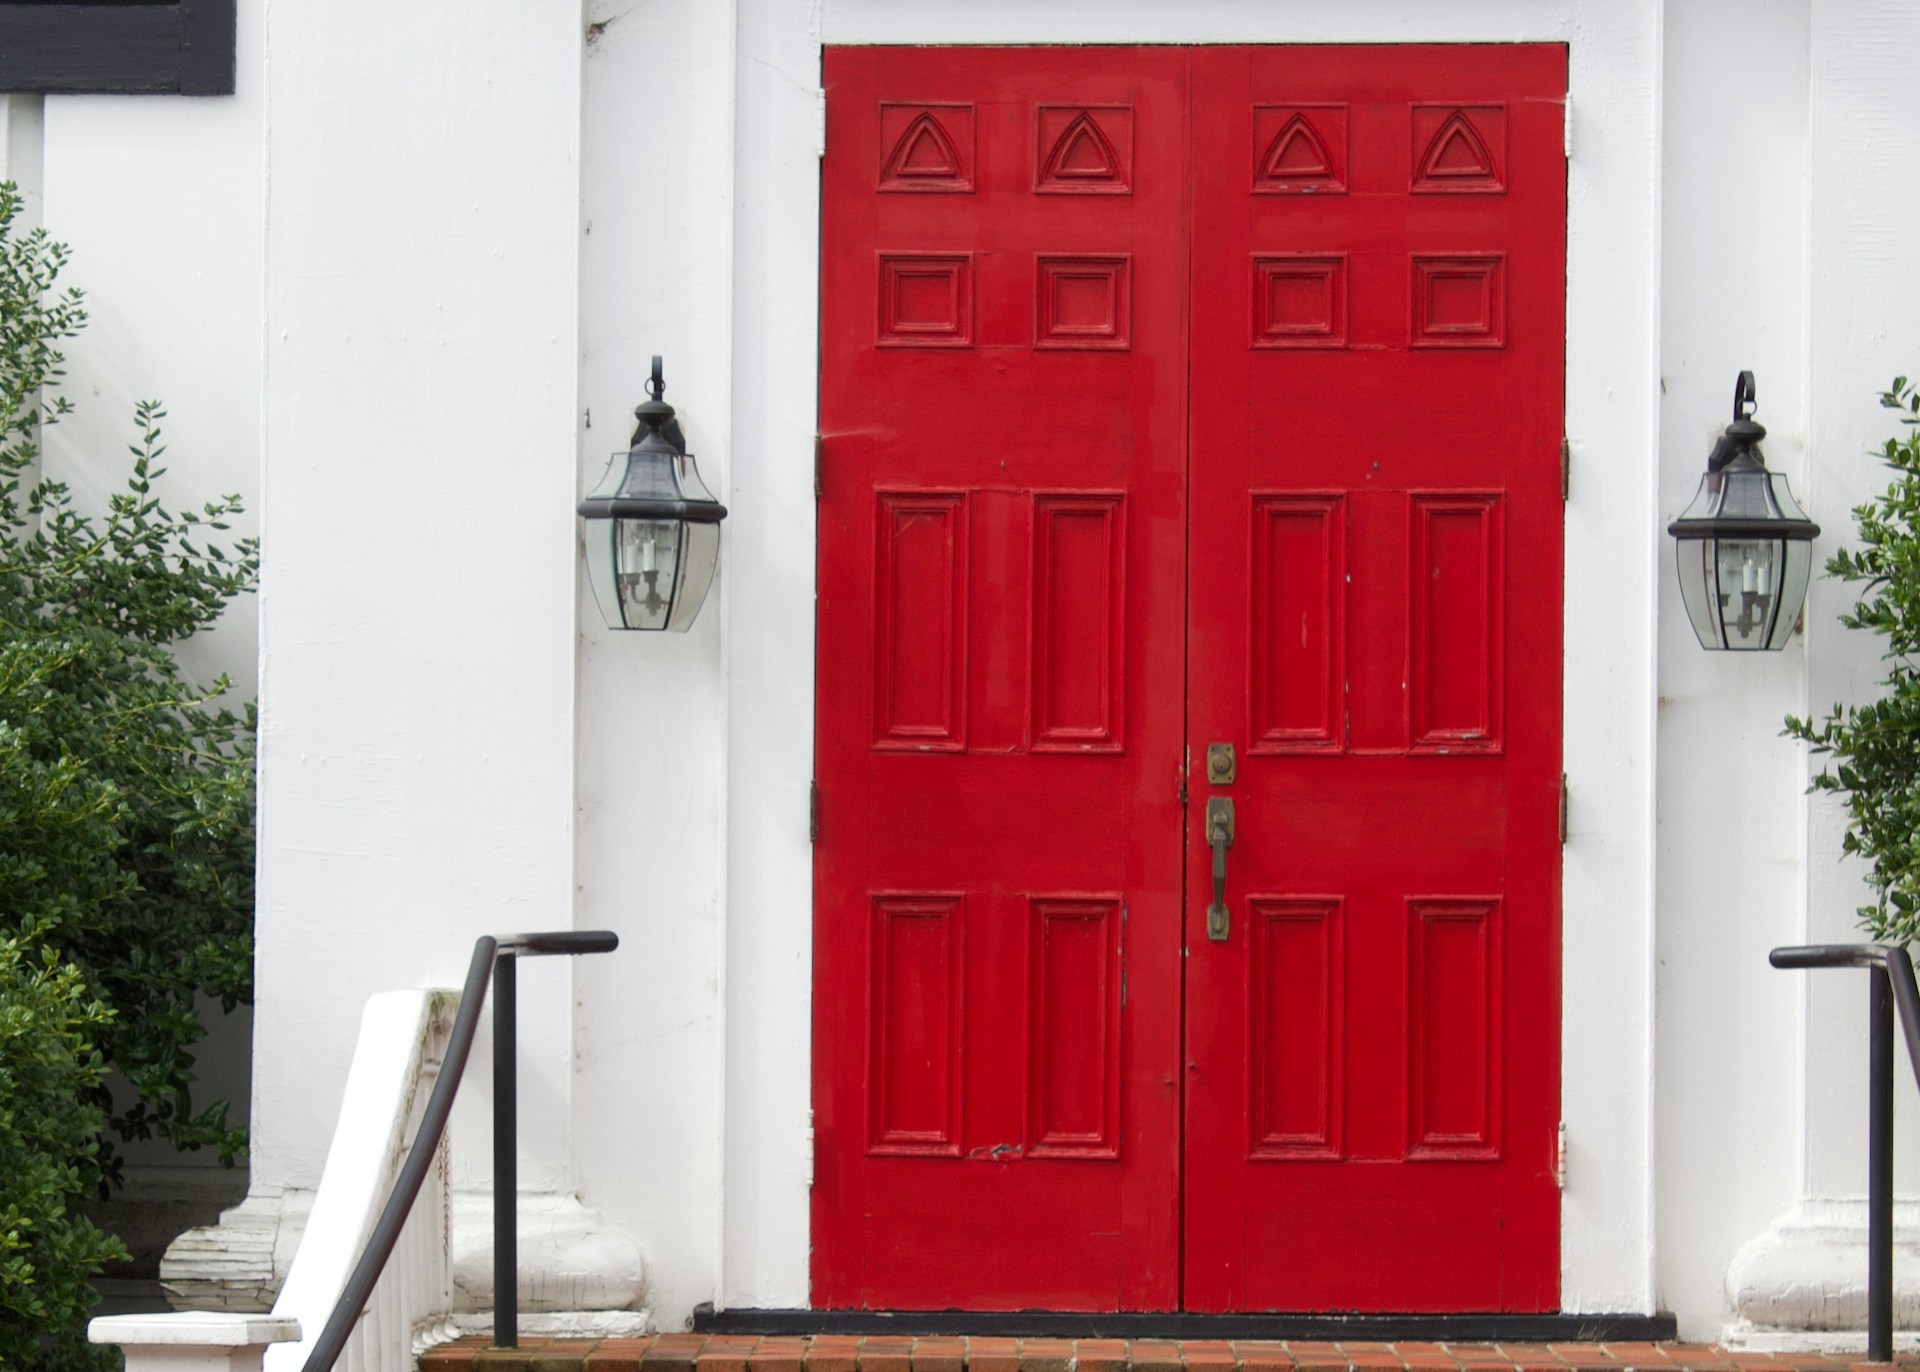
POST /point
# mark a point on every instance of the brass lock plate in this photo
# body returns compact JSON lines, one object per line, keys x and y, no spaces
{"x":1220,"y":764}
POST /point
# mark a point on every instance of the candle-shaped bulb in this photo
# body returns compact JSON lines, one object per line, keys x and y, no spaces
{"x":648,"y":566}
{"x":1749,"y":577}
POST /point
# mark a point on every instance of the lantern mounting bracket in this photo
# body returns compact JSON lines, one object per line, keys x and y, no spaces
{"x":1742,"y":437}
{"x":654,"y":412}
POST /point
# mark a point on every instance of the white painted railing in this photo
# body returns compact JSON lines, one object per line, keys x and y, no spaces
{"x":395,"y":1063}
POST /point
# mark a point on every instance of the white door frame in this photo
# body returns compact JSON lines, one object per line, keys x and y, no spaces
{"x":1612,"y":561}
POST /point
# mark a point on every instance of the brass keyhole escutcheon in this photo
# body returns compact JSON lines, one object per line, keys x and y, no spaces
{"x":1220,"y":764}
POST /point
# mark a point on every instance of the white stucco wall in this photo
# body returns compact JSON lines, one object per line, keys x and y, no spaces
{"x":428,"y":272}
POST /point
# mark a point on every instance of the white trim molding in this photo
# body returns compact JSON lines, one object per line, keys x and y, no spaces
{"x":1607,"y":1257}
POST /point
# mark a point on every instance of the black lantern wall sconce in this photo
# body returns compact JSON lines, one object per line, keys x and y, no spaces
{"x":653,"y":528}
{"x":1746,"y":546}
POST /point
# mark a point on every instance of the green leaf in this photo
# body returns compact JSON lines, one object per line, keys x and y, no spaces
{"x":126,"y":820}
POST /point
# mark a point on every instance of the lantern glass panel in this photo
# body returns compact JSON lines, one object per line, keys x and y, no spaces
{"x":1697,"y":582}
{"x":1706,"y":500}
{"x":701,"y":543}
{"x":1746,"y":586}
{"x":686,"y":472}
{"x":1746,"y":495}
{"x":610,"y":479}
{"x":646,"y":559}
{"x":600,"y":545}
{"x":1784,"y":505}
{"x":1796,"y":571}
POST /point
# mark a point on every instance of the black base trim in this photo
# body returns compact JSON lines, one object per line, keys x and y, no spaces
{"x":1134,"y":1324}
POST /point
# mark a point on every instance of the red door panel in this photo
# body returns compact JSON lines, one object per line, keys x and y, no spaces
{"x":1374,"y":623}
{"x":1002,"y":545}
{"x":1174,"y":397}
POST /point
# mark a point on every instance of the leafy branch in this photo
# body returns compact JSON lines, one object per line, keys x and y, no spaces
{"x":146,"y":890}
{"x":1875,"y":747}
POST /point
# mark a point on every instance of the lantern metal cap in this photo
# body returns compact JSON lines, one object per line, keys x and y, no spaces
{"x":1736,"y":461}
{"x":660,"y":479}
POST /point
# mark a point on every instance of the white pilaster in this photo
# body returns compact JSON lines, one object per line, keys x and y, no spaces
{"x":417,"y":605}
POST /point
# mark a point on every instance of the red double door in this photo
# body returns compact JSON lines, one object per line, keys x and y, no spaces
{"x":1178,"y":401}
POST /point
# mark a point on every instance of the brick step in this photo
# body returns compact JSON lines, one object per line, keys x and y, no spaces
{"x":894,"y":1353}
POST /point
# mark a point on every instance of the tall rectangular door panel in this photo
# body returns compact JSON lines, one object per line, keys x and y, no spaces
{"x":1001,"y":600}
{"x":1372,"y":1064}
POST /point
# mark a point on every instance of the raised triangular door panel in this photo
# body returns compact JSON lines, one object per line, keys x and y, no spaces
{"x":1085,"y":151}
{"x":1299,"y":150}
{"x":1459,"y":148}
{"x":926,"y":148}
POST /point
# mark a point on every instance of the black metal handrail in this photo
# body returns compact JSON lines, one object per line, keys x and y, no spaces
{"x":495,"y":956}
{"x":1891,"y":985}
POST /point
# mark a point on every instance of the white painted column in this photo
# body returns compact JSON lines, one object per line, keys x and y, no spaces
{"x":418,"y":601}
{"x":1809,"y":1269}
{"x":657,"y":196}
{"x":1733,"y":295}
{"x":23,"y":151}
{"x":769,"y":1140}
{"x":1612,"y":558}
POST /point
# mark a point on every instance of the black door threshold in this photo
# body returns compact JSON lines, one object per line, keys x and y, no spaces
{"x":1468,"y":1328}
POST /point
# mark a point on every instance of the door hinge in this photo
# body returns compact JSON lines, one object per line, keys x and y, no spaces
{"x":820,"y":122}
{"x":1559,"y":1155}
{"x":1563,"y":810}
{"x":1566,"y":469}
{"x":809,"y":1148}
{"x":819,"y":465}
{"x":813,"y":812}
{"x":1566,"y":127}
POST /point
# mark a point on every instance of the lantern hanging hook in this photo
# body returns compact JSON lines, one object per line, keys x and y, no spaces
{"x":654,"y":413}
{"x":1742,"y":437}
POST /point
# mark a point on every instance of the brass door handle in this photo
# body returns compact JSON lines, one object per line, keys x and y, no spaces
{"x":1220,"y":838}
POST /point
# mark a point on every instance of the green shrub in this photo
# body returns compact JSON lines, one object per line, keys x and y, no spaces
{"x":155,"y":908}
{"x":1876,"y":747}
{"x":49,"y":1133}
